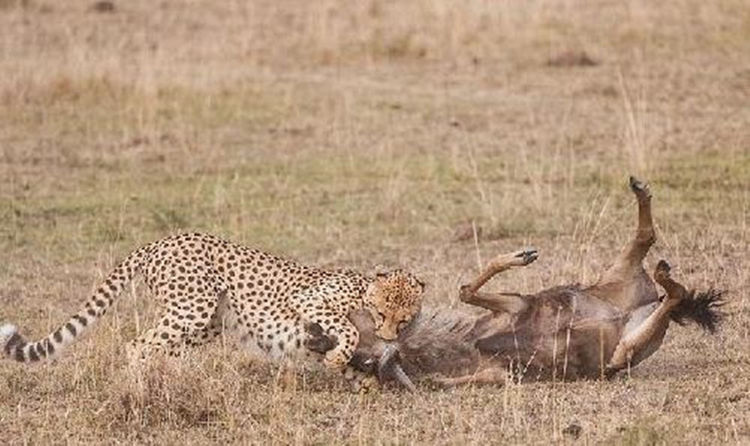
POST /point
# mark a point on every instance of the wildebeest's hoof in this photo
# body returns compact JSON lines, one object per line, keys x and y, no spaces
{"x":527,"y":256}
{"x":662,"y":271}
{"x":640,"y":188}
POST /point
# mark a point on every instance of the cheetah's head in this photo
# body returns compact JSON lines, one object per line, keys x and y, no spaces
{"x":394,"y":299}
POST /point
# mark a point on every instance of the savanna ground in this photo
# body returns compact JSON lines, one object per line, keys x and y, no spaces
{"x":363,"y":133}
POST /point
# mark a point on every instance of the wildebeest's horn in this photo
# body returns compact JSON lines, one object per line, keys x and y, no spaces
{"x":403,"y":378}
{"x":389,"y":364}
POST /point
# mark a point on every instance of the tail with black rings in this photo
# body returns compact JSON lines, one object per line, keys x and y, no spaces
{"x":16,"y":347}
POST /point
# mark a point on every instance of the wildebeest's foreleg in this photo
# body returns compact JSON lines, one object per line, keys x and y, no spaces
{"x":498,"y":302}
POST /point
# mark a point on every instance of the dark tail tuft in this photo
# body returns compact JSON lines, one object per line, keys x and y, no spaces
{"x":701,"y":308}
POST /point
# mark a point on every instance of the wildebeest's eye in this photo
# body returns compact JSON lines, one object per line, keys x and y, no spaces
{"x":402,"y":325}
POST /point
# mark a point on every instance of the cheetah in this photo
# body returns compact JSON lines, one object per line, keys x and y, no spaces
{"x":206,"y":285}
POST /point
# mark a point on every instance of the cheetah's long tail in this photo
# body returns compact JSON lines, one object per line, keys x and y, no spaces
{"x":15,"y":346}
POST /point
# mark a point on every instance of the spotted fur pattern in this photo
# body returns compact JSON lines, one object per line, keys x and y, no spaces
{"x":206,"y":285}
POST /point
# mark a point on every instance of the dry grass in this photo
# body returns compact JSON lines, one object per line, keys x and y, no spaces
{"x":357,"y":134}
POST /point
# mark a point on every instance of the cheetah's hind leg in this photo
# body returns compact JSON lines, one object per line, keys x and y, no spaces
{"x":186,"y":320}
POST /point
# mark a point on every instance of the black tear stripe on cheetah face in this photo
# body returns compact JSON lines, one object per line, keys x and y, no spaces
{"x":205,"y":285}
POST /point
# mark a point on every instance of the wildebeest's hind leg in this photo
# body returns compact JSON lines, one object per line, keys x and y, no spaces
{"x":675,"y":291}
{"x":490,"y":375}
{"x":647,"y":326}
{"x":626,"y":284}
{"x":498,"y":302}
{"x":701,"y":308}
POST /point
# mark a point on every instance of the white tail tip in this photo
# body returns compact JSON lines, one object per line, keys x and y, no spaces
{"x":6,"y":331}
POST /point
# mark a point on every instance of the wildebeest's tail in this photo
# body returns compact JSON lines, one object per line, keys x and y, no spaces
{"x":701,"y":308}
{"x":15,"y":346}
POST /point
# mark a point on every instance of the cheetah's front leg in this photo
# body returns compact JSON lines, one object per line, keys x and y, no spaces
{"x":320,"y":342}
{"x":340,"y":328}
{"x":348,"y":338}
{"x":313,"y":308}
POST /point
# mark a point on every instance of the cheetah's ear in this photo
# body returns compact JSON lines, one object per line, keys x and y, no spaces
{"x":381,"y":272}
{"x":381,"y":278}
